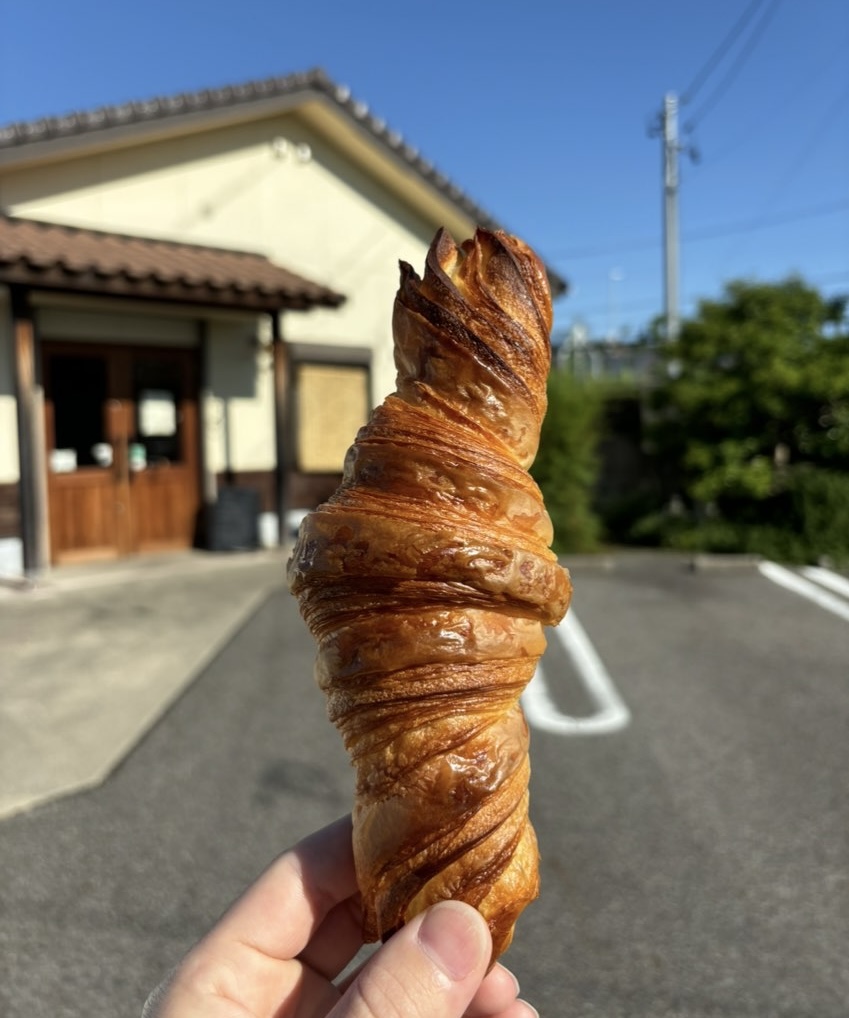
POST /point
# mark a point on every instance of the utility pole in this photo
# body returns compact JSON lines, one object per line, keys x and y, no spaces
{"x":671,"y":149}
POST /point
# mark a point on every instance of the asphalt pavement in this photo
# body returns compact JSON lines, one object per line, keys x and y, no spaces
{"x":695,"y":862}
{"x":91,"y":656}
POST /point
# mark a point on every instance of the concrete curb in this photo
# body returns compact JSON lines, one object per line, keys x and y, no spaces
{"x":705,"y":561}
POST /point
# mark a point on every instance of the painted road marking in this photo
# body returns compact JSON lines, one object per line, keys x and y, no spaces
{"x":805,"y":588}
{"x":611,"y":715}
{"x":826,"y":578}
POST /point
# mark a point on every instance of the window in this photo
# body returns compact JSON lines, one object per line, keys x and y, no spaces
{"x":332,"y":405}
{"x":157,"y":391}
{"x":79,"y":393}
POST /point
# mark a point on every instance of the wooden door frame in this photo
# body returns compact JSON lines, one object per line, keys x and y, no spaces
{"x":119,"y":361}
{"x":189,"y":363}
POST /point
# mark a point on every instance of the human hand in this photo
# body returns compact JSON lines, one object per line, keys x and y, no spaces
{"x":276,"y":952}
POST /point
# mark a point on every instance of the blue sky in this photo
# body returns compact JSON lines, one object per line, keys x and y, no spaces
{"x":539,"y":110}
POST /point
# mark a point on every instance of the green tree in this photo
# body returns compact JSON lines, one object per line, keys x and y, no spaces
{"x":567,"y":464}
{"x":753,"y":420}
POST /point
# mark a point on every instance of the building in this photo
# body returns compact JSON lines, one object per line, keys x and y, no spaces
{"x":610,"y":360}
{"x":195,"y":301}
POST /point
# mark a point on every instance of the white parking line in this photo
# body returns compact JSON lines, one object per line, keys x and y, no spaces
{"x":792,"y":581}
{"x":612,"y":714}
{"x":826,"y":578}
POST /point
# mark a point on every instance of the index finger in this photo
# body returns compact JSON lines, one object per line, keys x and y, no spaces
{"x":279,"y":914}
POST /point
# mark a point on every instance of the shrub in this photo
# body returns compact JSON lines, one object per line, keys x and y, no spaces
{"x":820,"y":512}
{"x":807,"y":522}
{"x":567,"y":464}
{"x":750,"y":426}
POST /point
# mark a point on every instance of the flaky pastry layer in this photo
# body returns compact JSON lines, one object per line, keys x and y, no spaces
{"x":426,"y":580}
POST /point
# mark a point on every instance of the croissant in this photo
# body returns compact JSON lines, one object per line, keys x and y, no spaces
{"x":426,"y":580}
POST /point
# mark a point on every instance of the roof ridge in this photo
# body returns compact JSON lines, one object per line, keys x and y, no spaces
{"x":80,"y":121}
{"x":22,"y":133}
{"x":28,"y":132}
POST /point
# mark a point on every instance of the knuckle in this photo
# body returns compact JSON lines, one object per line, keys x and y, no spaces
{"x":380,"y":993}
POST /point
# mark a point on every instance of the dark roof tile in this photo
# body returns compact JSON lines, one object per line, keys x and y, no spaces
{"x":65,"y":257}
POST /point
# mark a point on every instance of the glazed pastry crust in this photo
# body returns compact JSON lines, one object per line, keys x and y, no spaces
{"x":426,"y":580}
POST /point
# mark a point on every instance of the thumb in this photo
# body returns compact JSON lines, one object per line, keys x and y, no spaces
{"x":431,"y":968}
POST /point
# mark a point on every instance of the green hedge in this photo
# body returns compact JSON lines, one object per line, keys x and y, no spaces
{"x":807,"y":522}
{"x":820,"y":511}
{"x":567,"y":464}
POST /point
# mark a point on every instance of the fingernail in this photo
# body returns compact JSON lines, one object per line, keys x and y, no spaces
{"x":453,"y":936}
{"x":532,"y":1011}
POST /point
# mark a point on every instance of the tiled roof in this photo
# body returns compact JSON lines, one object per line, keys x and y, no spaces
{"x":315,"y":81}
{"x":50,"y":256}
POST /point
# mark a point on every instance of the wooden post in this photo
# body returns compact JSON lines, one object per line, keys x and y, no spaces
{"x":34,"y":525}
{"x":39,"y":475}
{"x":209,"y":482}
{"x":282,"y":381}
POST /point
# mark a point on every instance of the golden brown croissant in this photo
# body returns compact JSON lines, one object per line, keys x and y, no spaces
{"x":426,"y":580}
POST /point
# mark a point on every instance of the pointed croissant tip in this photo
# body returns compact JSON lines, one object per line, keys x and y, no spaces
{"x":444,"y":241}
{"x":444,"y":249}
{"x":448,"y":260}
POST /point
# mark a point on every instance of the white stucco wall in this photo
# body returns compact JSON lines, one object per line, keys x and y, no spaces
{"x":9,"y":465}
{"x":11,"y":547}
{"x":240,"y":402}
{"x":234,"y":187}
{"x":59,"y":320}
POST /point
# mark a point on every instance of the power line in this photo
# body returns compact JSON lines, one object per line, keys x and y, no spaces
{"x":707,"y":68}
{"x":672,"y":148}
{"x":705,"y":233}
{"x":734,"y":69}
{"x":576,"y":254}
{"x":796,"y":91}
{"x":645,"y":303}
{"x":765,"y":222}
{"x":637,"y":304}
{"x":809,"y":146}
{"x":803,"y":154}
